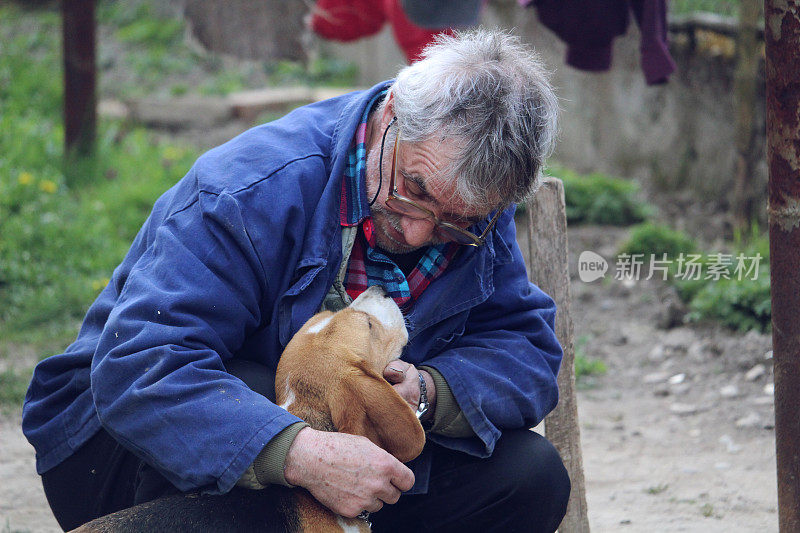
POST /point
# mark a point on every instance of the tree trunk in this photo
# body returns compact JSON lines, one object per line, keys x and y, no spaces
{"x":548,"y":266}
{"x":745,"y":91}
{"x":80,"y":100}
{"x":250,"y":29}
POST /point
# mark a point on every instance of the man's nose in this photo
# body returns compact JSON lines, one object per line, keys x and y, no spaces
{"x":418,"y":232}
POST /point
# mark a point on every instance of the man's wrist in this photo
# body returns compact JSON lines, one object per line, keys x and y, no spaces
{"x":269,"y":464}
{"x":431,"y":392}
{"x":448,"y":419}
{"x":293,"y":468}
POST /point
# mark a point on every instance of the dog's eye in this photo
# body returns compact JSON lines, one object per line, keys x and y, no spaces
{"x":369,"y":321}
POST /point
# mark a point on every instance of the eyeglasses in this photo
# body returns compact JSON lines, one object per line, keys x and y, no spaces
{"x":408,"y":207}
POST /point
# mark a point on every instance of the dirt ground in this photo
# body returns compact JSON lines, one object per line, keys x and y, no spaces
{"x":677,"y":435}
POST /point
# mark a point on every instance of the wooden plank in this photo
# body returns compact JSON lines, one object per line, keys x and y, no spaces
{"x":548,"y":268}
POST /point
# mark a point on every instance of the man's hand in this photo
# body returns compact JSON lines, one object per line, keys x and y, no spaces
{"x":346,"y":473}
{"x":403,"y":377}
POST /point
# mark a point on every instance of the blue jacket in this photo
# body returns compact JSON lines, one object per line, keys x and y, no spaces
{"x":230,"y":263}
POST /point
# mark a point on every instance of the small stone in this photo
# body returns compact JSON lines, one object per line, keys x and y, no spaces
{"x":701,"y":351}
{"x":763,"y":400}
{"x":620,"y":290}
{"x":672,"y":310}
{"x":657,"y":353}
{"x":676,"y":379}
{"x":683,"y":409}
{"x":769,"y":389}
{"x":729,"y":391}
{"x":680,"y":389}
{"x":661,"y":392}
{"x":655,"y":377}
{"x":606,"y":305}
{"x":694,"y":433}
{"x":751,"y":420}
{"x":755,"y":372}
{"x":679,"y":339}
{"x":722,"y":465}
{"x":586,"y":297}
{"x":113,"y":109}
{"x":619,"y":340}
{"x":768,"y":355}
{"x":730,"y":446}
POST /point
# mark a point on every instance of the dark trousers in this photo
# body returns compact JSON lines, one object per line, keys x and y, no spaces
{"x":523,"y":486}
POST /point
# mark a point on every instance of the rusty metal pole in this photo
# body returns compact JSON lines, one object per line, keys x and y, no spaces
{"x":782,"y":33}
{"x":80,"y":116}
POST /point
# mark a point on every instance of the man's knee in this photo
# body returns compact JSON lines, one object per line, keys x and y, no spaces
{"x":533,"y":474}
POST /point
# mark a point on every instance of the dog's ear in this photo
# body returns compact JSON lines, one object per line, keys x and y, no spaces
{"x":373,"y":409}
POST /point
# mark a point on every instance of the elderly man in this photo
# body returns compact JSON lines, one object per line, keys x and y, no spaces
{"x":409,"y":185}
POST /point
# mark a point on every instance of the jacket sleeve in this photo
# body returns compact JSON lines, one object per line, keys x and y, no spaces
{"x":502,"y":371}
{"x":158,"y":379}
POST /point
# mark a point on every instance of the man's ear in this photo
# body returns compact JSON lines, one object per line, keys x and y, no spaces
{"x":388,"y":110}
{"x":370,"y":407}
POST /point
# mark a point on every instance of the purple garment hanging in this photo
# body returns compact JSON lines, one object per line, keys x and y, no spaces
{"x":589,"y":28}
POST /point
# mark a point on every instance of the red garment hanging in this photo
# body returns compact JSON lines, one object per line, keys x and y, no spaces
{"x":349,"y":20}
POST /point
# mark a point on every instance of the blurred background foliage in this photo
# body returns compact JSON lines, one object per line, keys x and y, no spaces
{"x":59,"y":246}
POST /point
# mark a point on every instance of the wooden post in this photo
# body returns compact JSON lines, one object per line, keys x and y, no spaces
{"x":548,"y":267}
{"x":782,"y":22}
{"x":745,"y":91}
{"x":80,"y":115}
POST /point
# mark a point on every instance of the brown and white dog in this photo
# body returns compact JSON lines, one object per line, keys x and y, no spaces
{"x":329,"y":375}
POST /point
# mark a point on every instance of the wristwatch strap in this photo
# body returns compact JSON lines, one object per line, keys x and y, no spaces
{"x":423,"y":406}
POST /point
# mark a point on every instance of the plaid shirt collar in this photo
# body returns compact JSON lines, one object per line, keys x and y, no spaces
{"x":368,"y":265}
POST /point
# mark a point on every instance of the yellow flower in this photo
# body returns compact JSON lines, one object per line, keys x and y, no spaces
{"x":99,"y":284}
{"x":25,"y":178}
{"x":48,"y":186}
{"x":171,"y":153}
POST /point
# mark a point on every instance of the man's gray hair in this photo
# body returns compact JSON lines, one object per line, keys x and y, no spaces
{"x":491,"y":95}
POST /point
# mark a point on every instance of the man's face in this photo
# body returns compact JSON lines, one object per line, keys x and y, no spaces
{"x":422,"y":177}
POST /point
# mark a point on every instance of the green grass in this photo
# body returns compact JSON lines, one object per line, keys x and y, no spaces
{"x":650,"y":238}
{"x":740,"y":304}
{"x":13,"y":384}
{"x":145,"y":52}
{"x":60,"y":245}
{"x":722,"y":288}
{"x":657,"y":489}
{"x":720,"y":7}
{"x":320,"y":71}
{"x":586,"y":367}
{"x":62,"y":238}
{"x":600,"y":199}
